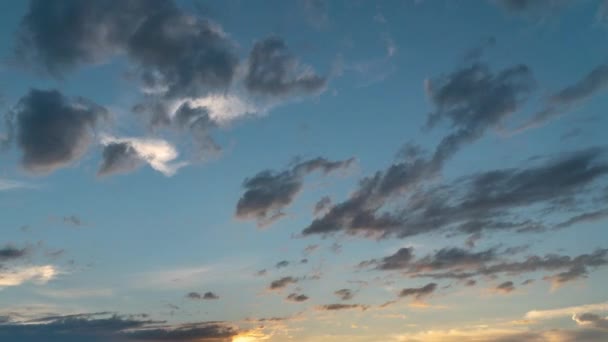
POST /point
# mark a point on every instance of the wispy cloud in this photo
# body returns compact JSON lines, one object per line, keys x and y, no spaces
{"x":567,"y":311}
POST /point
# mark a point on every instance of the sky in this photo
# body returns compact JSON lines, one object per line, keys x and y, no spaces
{"x":238,"y":171}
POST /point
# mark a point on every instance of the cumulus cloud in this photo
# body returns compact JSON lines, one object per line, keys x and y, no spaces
{"x":174,"y":53}
{"x":274,"y":71}
{"x":282,"y":264}
{"x":269,"y":192}
{"x":9,"y":253}
{"x":53,"y":131}
{"x":205,"y":296}
{"x":125,"y":154}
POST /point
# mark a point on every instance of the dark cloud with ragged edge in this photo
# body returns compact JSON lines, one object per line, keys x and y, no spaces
{"x":344,"y":294}
{"x":10,"y":253}
{"x":174,"y":52}
{"x":282,"y":283}
{"x":52,"y":130}
{"x":119,"y":157}
{"x":419,"y":293}
{"x":206,"y":296}
{"x":485,"y":201}
{"x":269,"y":192}
{"x":298,"y":298}
{"x":108,"y":327}
{"x":338,"y":307}
{"x":457,"y":263}
{"x":506,"y":287}
{"x":274,"y":71}
{"x":566,"y":98}
{"x":472,"y":99}
{"x":282,"y":264}
{"x":591,"y":319}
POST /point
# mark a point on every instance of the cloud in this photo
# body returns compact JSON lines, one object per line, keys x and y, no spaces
{"x":123,"y":154}
{"x":530,"y":6}
{"x":563,"y":100}
{"x":591,"y":216}
{"x":108,"y":327}
{"x":282,"y":283}
{"x":9,"y":184}
{"x":322,"y":205}
{"x":274,"y":71}
{"x":205,"y":296}
{"x":268,"y":192}
{"x":72,"y":220}
{"x":174,"y":53}
{"x":298,"y":298}
{"x":565,"y":312}
{"x":282,"y":264}
{"x":419,"y":293}
{"x":344,"y":294}
{"x":591,"y":319}
{"x":473,"y":99}
{"x":15,"y":276}
{"x":337,"y":307}
{"x":52,"y":130}
{"x":485,"y":201}
{"x":9,"y":253}
{"x":506,"y":287}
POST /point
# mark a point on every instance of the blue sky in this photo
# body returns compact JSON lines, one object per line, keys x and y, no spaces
{"x":219,"y":171}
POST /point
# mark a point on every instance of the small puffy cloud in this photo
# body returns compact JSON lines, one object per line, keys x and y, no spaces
{"x":344,"y":294}
{"x":126,"y":152}
{"x":505,"y":288}
{"x":282,"y":283}
{"x":9,"y":253}
{"x":282,"y":264}
{"x":298,"y":298}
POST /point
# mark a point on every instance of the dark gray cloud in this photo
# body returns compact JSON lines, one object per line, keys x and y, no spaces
{"x":108,"y":327}
{"x":322,"y":205}
{"x":282,"y":264}
{"x":9,"y":253}
{"x":336,"y":307}
{"x":119,"y":157}
{"x":268,"y":192}
{"x":472,"y":99}
{"x":79,"y":32}
{"x":419,"y":293}
{"x":506,"y":287}
{"x":174,"y":53}
{"x":485,"y":201}
{"x":456,"y":263}
{"x":591,"y":319}
{"x":591,"y":216}
{"x":73,"y":220}
{"x":205,"y":296}
{"x":563,"y":100}
{"x":274,"y":71}
{"x":282,"y":283}
{"x":345,"y":294}
{"x":52,"y":130}
{"x":298,"y":298}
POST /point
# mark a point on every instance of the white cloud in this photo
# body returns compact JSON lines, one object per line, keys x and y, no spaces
{"x":566,"y":312}
{"x":158,"y":153}
{"x":8,"y":184}
{"x":224,"y":109}
{"x":19,"y":275}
